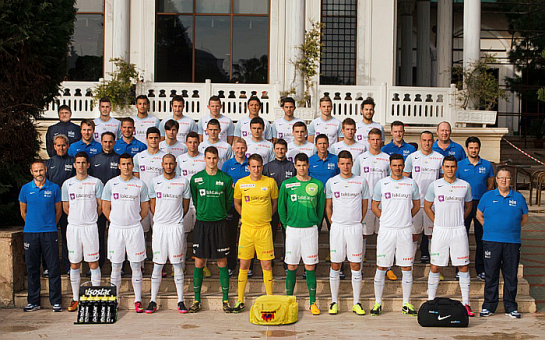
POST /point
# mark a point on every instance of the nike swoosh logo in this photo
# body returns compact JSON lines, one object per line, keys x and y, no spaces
{"x":97,"y":165}
{"x":52,"y":167}
{"x":439,"y":317}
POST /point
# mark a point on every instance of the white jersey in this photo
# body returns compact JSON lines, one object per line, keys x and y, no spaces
{"x":226,"y":125}
{"x":346,"y":195}
{"x":177,"y":149}
{"x":263,"y":148}
{"x":372,"y":167}
{"x":125,"y":198}
{"x":242,"y":129}
{"x":188,"y":166}
{"x":113,"y":125}
{"x":424,"y":170}
{"x":141,"y":126}
{"x":225,"y":151}
{"x":294,"y":149}
{"x":362,"y":132}
{"x":397,"y":201}
{"x":449,"y":199}
{"x":149,"y":166}
{"x":82,"y":197}
{"x":186,"y":125}
{"x":355,"y":149}
{"x":283,"y":129}
{"x":168,"y":195}
{"x":331,"y":128}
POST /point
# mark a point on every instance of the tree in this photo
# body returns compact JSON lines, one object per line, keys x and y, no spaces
{"x":34,"y":40}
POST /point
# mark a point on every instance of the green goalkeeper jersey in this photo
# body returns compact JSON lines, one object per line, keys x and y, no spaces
{"x":301,"y":204}
{"x":212,"y":195}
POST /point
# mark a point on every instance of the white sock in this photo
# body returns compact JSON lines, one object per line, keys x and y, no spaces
{"x":407,"y":285}
{"x":75,"y":280}
{"x":137,"y":280}
{"x":116,"y":276}
{"x":379,"y":285}
{"x":334,"y":283}
{"x":179,"y":280}
{"x":464,"y":287}
{"x":433,"y":283}
{"x":96,"y":276}
{"x":156,"y":278}
{"x":356,"y":285}
{"x":364,"y":249}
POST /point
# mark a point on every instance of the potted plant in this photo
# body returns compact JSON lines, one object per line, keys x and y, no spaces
{"x":121,"y":88}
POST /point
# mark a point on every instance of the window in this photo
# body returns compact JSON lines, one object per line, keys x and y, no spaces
{"x":86,"y":54}
{"x":221,"y":40}
{"x":338,"y":61}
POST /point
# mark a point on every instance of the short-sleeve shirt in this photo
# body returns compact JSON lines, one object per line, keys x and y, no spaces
{"x":294,"y":149}
{"x":40,"y":211}
{"x":346,"y":195}
{"x":148,"y":166}
{"x":373,"y":168}
{"x":176,"y":150}
{"x":355,"y":149}
{"x":235,"y":169}
{"x":132,"y":148}
{"x":476,"y":175}
{"x":82,"y":199}
{"x":283,"y":129}
{"x":453,"y":149}
{"x":90,"y":149}
{"x":396,"y":197}
{"x":323,"y":169}
{"x":424,"y":169}
{"x":212,"y":195}
{"x":168,"y":195}
{"x":225,"y":151}
{"x":141,"y":126}
{"x":186,"y":125}
{"x":362,"y":132}
{"x":404,"y":150}
{"x":448,"y":200}
{"x":226,"y":124}
{"x":242,"y":129}
{"x":113,"y":125}
{"x":263,"y":148}
{"x":332,"y":128}
{"x":256,"y":199}
{"x":188,"y":166}
{"x":125,"y":198}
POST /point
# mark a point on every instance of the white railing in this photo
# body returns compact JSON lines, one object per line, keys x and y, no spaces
{"x":411,"y":105}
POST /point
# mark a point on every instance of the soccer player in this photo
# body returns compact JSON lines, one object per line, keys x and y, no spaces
{"x":186,"y":124}
{"x":282,"y":128}
{"x":398,"y":145}
{"x":212,"y":193}
{"x":87,"y":143}
{"x":125,"y":203}
{"x":143,"y":121}
{"x":400,"y":202}
{"x":325,"y":124}
{"x":348,"y":143}
{"x":105,"y":122}
{"x":256,"y":209}
{"x":300,"y":143}
{"x":301,"y":204}
{"x":367,"y":123}
{"x":452,"y":200}
{"x":127,"y":143}
{"x":171,"y":144}
{"x":81,"y":201}
{"x":424,"y":166}
{"x":213,"y":131}
{"x":166,"y":192}
{"x":346,"y":202}
{"x":257,"y":144}
{"x":446,"y":146}
{"x":64,"y":127}
{"x":243,"y":128}
{"x":227,"y":128}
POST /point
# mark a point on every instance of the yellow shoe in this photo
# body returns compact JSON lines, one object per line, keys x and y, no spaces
{"x":328,"y":258}
{"x":441,"y":277}
{"x":358,"y":309}
{"x":314,"y":309}
{"x":206,"y":272}
{"x":390,"y":275}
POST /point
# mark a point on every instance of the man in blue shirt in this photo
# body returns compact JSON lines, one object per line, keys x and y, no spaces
{"x":127,"y":143}
{"x":398,"y":145}
{"x":479,"y":173}
{"x":445,"y":146}
{"x":502,"y":213}
{"x":40,"y":205}
{"x":63,"y":127}
{"x":87,"y":142}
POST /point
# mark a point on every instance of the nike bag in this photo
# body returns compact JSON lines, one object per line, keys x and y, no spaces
{"x":443,"y":312}
{"x":274,"y":310}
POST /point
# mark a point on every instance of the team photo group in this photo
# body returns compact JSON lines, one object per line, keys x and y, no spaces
{"x":243,"y":190}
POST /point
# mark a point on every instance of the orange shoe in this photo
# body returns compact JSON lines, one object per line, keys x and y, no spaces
{"x":73,"y":306}
{"x":390,"y":275}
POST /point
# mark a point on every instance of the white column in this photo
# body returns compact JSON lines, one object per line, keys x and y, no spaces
{"x":406,"y":10}
{"x":472,"y":31}
{"x":121,"y":29}
{"x":295,"y":36}
{"x":444,"y":43}
{"x":383,"y":65}
{"x":423,"y":58}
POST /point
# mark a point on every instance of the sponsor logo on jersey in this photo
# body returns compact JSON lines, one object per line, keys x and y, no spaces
{"x":416,"y":169}
{"x":293,"y":197}
{"x":292,"y":185}
{"x":246,"y":198}
{"x":159,"y":194}
{"x":366,"y":169}
{"x":312,"y":189}
{"x":249,"y":185}
{"x":116,"y":196}
{"x":72,"y":196}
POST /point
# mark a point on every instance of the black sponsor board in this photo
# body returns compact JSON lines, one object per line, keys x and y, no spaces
{"x":97,"y":305}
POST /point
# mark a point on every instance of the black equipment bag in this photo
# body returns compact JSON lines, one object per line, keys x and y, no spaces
{"x":97,"y":304}
{"x":443,"y":312}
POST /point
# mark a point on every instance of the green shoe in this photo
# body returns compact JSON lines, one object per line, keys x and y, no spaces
{"x":377,"y":309}
{"x":239,"y":307}
{"x":333,"y":308}
{"x":409,"y":310}
{"x":358,"y":309}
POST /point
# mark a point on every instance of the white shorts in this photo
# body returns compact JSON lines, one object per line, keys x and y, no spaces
{"x":421,"y":222}
{"x":302,"y":243}
{"x":371,"y":223}
{"x":451,"y":241}
{"x":346,"y":242}
{"x":130,"y":240}
{"x":82,"y":243}
{"x":168,"y":243}
{"x":147,"y":222}
{"x":395,"y":242}
{"x":189,"y":219}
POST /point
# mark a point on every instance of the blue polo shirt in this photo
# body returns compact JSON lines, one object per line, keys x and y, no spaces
{"x":404,"y":150}
{"x":453,"y":149}
{"x":40,"y":210}
{"x":502,"y":216}
{"x":235,"y":169}
{"x":134,"y":147}
{"x":91,"y":149}
{"x":475,"y":175}
{"x":323,"y":169}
